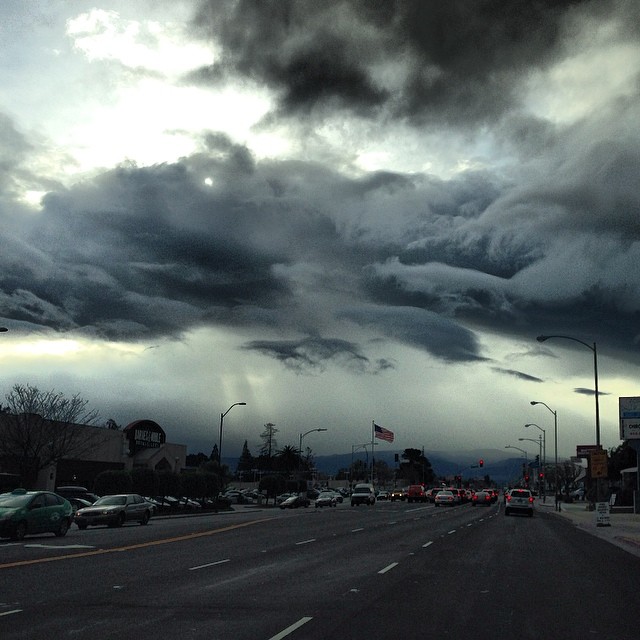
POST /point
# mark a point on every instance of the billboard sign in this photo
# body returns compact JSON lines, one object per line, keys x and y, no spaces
{"x":629,"y":418}
{"x":585,"y":450}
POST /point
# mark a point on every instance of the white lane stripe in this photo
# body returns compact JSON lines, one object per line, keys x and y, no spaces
{"x":388,"y":568}
{"x":209,"y":564}
{"x":306,"y":541}
{"x":450,"y":532}
{"x":285,"y":632}
{"x":8,"y":613}
{"x":426,"y":544}
{"x":355,"y":530}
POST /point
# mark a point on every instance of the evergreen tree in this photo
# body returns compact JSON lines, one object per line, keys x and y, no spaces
{"x":246,"y":461}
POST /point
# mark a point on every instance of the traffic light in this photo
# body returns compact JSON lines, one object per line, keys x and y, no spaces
{"x":526,"y":478}
{"x":481,"y":462}
{"x":541,"y":475}
{"x":538,"y":459}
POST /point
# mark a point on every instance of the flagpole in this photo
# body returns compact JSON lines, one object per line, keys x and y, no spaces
{"x":373,"y":458}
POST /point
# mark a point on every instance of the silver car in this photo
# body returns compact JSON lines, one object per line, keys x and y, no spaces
{"x":114,"y":511}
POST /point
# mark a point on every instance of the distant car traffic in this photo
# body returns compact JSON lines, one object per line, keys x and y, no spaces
{"x":114,"y":511}
{"x":518,"y":501}
{"x":25,"y":512}
{"x":416,"y":493}
{"x":482,"y":498}
{"x":444,"y":498}
{"x":363,"y":493}
{"x":397,"y":494}
{"x":293,"y":502}
{"x":326,"y":499}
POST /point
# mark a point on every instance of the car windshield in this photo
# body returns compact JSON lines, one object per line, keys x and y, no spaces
{"x":11,"y":501}
{"x":110,"y":500}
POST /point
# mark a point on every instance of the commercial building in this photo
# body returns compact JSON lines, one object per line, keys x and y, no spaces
{"x":81,"y":452}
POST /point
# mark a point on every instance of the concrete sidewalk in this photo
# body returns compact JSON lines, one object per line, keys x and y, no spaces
{"x":624,"y":529}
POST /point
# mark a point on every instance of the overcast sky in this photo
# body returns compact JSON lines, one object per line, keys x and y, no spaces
{"x":336,"y":212}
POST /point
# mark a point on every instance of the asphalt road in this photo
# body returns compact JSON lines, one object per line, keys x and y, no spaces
{"x":390,"y":571}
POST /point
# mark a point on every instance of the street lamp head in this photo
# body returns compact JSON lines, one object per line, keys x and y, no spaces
{"x":242,"y":404}
{"x":534,"y":402}
{"x":542,"y":338}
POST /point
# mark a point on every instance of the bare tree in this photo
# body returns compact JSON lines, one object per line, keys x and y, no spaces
{"x":39,"y":428}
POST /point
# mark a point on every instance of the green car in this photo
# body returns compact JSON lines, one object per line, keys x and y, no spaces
{"x":26,"y":512}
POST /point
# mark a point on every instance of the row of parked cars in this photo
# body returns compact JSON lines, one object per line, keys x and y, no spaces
{"x":25,"y":512}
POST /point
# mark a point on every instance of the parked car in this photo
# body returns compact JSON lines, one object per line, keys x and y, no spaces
{"x":25,"y":512}
{"x":77,"y":492}
{"x":382,"y":495}
{"x":481,"y":497}
{"x":78,"y":503}
{"x":363,"y":494}
{"x":444,"y":498}
{"x":293,"y":502}
{"x":114,"y":511}
{"x":326,"y":499}
{"x":518,"y":501}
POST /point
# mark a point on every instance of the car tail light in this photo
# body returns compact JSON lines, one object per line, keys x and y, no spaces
{"x":508,"y":498}
{"x":530,"y":498}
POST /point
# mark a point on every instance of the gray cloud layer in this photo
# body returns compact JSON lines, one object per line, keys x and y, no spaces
{"x":552,"y":243}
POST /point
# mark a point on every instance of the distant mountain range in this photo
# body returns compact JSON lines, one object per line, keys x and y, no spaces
{"x":498,"y":465}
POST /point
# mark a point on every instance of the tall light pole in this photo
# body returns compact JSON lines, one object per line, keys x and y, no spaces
{"x":355,"y":447}
{"x":555,"y":432}
{"x":539,"y":443}
{"x":222,"y":415}
{"x":302,"y":435}
{"x":544,"y":457}
{"x":526,"y":455}
{"x":594,"y":349}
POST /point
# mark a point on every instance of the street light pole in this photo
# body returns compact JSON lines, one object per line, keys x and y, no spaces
{"x":302,"y":435}
{"x":594,"y":349}
{"x":539,"y":443}
{"x":222,"y":415}
{"x":544,"y":457}
{"x":555,"y":432}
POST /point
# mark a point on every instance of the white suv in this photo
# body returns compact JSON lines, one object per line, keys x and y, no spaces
{"x":518,"y":500}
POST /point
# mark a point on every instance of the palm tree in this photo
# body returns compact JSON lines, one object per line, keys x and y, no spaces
{"x":288,"y":459}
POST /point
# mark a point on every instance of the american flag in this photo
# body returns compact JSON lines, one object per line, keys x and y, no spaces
{"x":382,"y":433}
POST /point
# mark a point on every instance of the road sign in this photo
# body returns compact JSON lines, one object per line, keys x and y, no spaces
{"x":585,"y":450}
{"x":598,"y":464}
{"x":629,"y":409}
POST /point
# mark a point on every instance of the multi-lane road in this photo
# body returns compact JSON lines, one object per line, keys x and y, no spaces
{"x":390,"y":571}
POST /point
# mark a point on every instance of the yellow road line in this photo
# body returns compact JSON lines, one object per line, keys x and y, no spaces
{"x":132,"y":547}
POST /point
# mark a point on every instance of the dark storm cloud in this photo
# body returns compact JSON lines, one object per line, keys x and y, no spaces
{"x":419,"y":328}
{"x":312,"y":354}
{"x":456,"y":61}
{"x":517,"y":374}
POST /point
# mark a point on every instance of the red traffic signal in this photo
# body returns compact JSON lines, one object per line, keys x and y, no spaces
{"x":481,"y":462}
